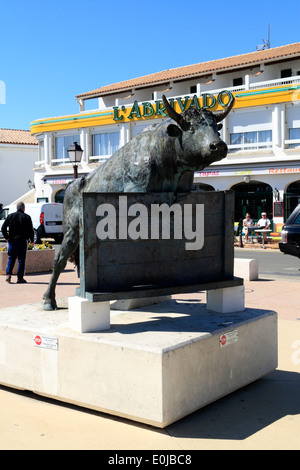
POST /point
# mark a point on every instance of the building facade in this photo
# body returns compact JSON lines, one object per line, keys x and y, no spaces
{"x":18,"y":154}
{"x":262,"y":130}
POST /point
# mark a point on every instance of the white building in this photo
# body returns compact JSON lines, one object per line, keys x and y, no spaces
{"x":262,"y":131}
{"x":18,"y":153}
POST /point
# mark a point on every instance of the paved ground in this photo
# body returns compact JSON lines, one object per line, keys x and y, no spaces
{"x":263,"y":415}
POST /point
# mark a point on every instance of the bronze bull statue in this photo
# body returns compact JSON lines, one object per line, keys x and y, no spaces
{"x":162,"y":158}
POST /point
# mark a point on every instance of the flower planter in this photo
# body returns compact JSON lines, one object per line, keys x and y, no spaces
{"x":37,"y":261}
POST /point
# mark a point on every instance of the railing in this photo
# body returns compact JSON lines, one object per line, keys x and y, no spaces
{"x":290,"y":143}
{"x":60,"y":161}
{"x":249,"y":146}
{"x":235,"y":89}
{"x":40,"y":163}
{"x":99,"y":158}
{"x":277,"y":82}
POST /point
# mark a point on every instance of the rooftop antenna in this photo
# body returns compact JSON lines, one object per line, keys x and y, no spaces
{"x":266,"y":43}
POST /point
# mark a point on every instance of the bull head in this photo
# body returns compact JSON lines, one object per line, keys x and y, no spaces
{"x":185,"y":124}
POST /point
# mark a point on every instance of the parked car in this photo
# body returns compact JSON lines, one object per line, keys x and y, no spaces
{"x":46,"y":218}
{"x":290,"y":234}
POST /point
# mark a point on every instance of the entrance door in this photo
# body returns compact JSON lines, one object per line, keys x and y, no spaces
{"x":291,"y":198}
{"x":253,"y":197}
{"x":59,"y":196}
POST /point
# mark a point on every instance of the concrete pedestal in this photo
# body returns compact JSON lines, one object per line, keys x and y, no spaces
{"x":246,"y":269}
{"x":228,"y":300}
{"x":86,"y":316}
{"x":155,"y":365}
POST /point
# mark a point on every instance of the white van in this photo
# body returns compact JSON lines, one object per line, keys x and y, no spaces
{"x":47,"y":219}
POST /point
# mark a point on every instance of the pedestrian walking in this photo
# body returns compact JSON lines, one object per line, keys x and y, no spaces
{"x":17,"y":229}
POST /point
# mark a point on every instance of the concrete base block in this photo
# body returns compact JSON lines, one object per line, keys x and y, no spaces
{"x":86,"y":316}
{"x":231,"y":299}
{"x":131,"y":304}
{"x":246,"y":269}
{"x":153,"y":366}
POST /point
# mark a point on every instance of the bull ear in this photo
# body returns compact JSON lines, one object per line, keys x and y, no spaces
{"x":174,"y":131}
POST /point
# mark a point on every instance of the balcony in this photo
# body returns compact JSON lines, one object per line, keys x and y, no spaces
{"x":206,"y":89}
{"x":292,"y":143}
{"x":255,"y":140}
{"x":99,"y":159}
{"x":249,"y":146}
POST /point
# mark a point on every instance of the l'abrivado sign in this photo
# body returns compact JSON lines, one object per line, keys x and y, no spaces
{"x":147,"y":109}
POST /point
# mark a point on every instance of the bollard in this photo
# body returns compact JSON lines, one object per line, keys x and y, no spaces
{"x":241,"y":241}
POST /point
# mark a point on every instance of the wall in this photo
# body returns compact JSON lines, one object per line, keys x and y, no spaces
{"x":16,"y":164}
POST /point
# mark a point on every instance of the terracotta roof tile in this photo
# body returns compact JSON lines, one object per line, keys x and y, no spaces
{"x":16,"y":136}
{"x":251,"y":58}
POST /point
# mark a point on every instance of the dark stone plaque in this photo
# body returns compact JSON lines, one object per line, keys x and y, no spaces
{"x":180,"y":249}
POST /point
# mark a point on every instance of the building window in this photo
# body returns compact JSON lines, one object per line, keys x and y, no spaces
{"x":237,"y":81}
{"x":41,"y":150}
{"x":193,"y":89}
{"x":286,"y":73}
{"x":250,"y":140}
{"x":104,"y":145}
{"x":62,"y":143}
{"x":294,"y":134}
{"x":42,"y":199}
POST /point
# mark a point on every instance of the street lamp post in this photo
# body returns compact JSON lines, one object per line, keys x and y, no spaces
{"x":75,"y":154}
{"x":31,"y":185}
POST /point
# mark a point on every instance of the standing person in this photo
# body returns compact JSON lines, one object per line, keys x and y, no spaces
{"x":20,"y":230}
{"x":247,"y":222}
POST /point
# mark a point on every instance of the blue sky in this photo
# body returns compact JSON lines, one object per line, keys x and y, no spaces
{"x":53,"y":50}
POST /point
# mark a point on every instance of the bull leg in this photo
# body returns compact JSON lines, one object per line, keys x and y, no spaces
{"x":68,"y":247}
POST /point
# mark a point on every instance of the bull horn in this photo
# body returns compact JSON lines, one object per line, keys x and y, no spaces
{"x":173,"y":114}
{"x":219,"y":117}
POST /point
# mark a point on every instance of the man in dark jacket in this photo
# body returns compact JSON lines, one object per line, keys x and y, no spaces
{"x":17,"y":229}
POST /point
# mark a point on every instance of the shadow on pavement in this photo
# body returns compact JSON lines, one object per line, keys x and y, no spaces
{"x":244,"y":412}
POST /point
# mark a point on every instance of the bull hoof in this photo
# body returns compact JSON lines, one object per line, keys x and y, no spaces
{"x":49,"y":305}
